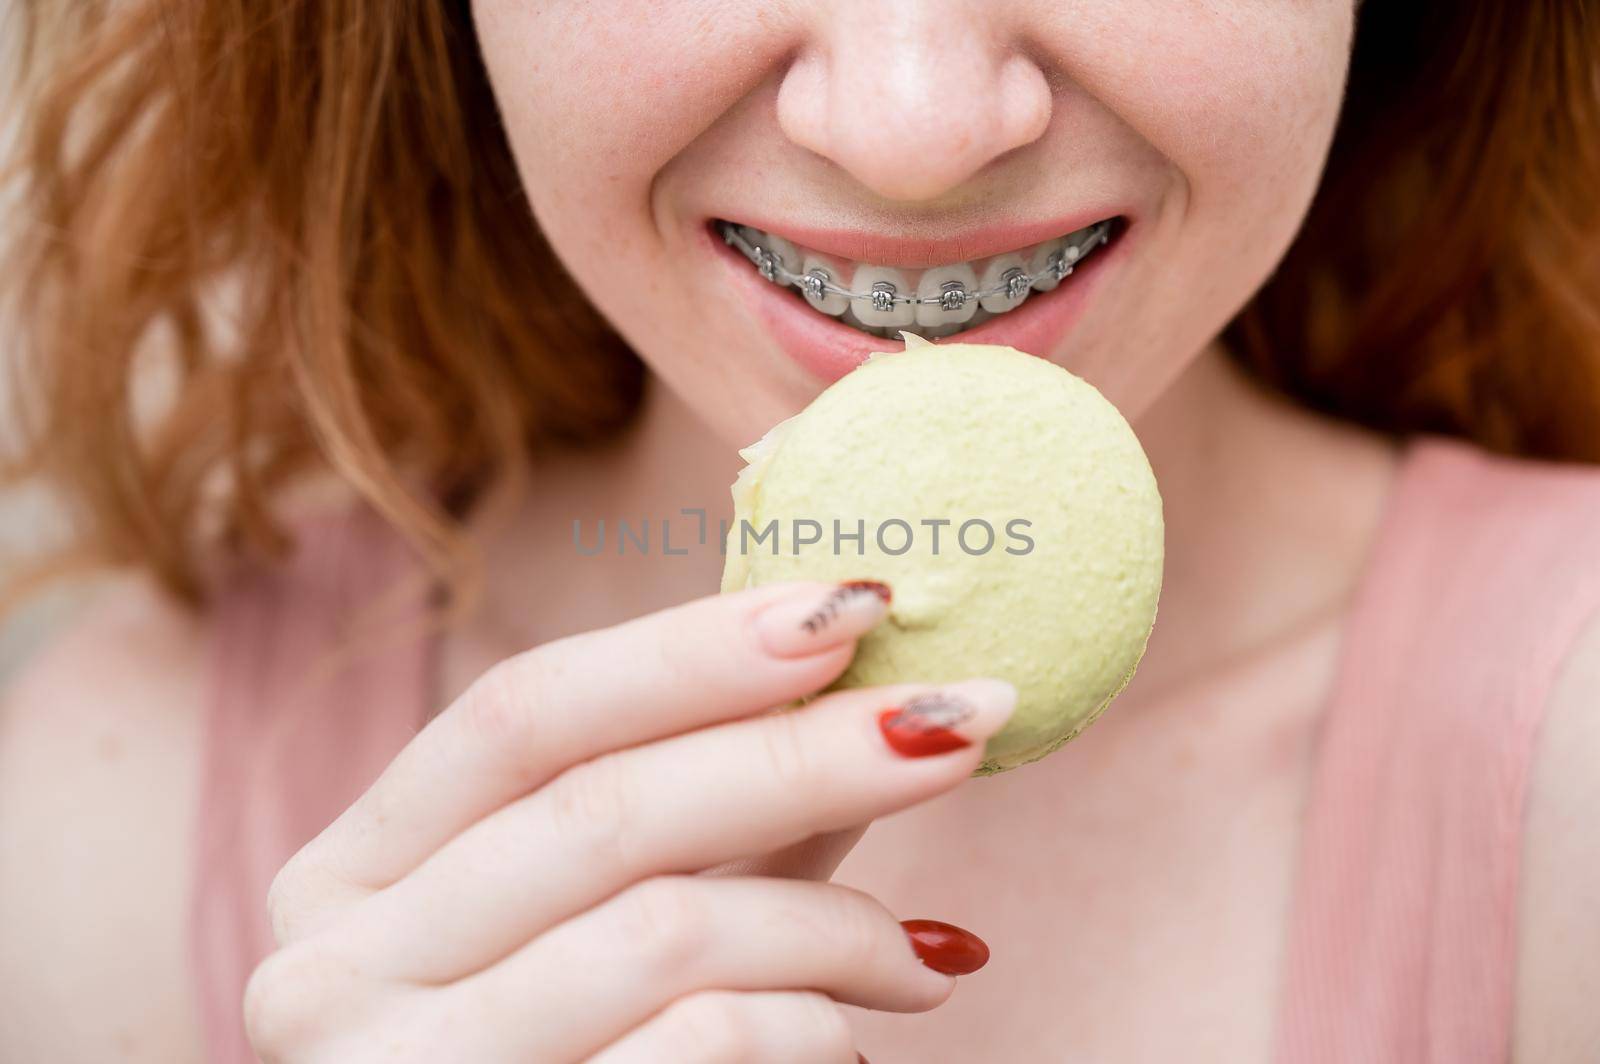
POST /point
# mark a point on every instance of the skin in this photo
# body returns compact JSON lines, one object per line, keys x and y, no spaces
{"x":1162,"y":906}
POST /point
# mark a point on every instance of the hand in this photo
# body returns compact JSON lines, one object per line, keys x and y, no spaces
{"x":519,"y":882}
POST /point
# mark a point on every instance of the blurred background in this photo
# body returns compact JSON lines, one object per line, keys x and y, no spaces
{"x":27,"y":521}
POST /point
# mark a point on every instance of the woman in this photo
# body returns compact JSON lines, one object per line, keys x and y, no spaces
{"x":1342,"y":814}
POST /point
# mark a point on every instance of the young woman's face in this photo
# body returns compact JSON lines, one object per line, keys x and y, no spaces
{"x":922,"y":144}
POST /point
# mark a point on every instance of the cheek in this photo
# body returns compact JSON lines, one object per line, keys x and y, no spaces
{"x":1249,"y":124}
{"x":1240,"y":95}
{"x":1234,"y":103}
{"x":1247,"y":95}
{"x":1249,"y":109}
{"x":566,"y":109}
{"x":597,"y":104}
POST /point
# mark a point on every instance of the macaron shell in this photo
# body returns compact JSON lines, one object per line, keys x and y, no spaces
{"x":1060,"y":602}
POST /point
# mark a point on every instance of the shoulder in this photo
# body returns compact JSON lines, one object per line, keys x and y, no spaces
{"x":1558,"y":969}
{"x":1507,"y":550}
{"x":1562,"y":491}
{"x":1556,"y":499}
{"x":1503,"y":551}
{"x":99,"y":762}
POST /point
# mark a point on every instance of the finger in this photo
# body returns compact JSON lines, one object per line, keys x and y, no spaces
{"x":537,"y":713}
{"x":726,"y":1027}
{"x":679,"y":805}
{"x":586,"y":982}
{"x":817,"y":857}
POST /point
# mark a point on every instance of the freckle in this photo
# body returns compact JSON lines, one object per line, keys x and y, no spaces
{"x":109,"y":747}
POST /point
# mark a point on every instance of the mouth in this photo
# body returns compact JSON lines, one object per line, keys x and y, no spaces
{"x":830,"y":311}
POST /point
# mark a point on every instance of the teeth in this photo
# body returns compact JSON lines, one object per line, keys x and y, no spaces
{"x":1078,"y":245}
{"x":994,"y":275}
{"x":1041,"y":265}
{"x":940,"y":302}
{"x":885,"y":282}
{"x":779,"y":250}
{"x":939,"y":332}
{"x":830,"y":302}
{"x":953,"y":285}
{"x":849,"y":318}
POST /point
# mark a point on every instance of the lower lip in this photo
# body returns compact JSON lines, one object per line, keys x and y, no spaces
{"x":828,"y":348}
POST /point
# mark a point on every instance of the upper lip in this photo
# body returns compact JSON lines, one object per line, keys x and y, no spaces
{"x":923,"y":252}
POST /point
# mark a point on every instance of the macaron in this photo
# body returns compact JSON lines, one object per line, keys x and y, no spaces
{"x":1007,"y":504}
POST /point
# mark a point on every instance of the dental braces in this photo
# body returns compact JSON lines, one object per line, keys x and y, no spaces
{"x":883,"y":296}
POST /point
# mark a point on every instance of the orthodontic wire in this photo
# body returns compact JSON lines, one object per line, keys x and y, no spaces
{"x":883,"y":295}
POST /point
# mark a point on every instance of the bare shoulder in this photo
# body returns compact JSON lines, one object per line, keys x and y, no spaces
{"x":1558,"y":977}
{"x":99,"y":760}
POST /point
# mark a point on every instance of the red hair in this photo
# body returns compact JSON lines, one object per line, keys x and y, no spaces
{"x":1448,"y":276}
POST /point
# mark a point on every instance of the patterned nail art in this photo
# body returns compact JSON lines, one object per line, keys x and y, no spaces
{"x":926,"y":725}
{"x":824,"y":614}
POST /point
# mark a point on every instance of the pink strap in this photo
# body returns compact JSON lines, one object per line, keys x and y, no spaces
{"x":1402,"y":948}
{"x":313,"y":692}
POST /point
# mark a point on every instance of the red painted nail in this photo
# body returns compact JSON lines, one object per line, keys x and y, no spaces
{"x":945,"y":947}
{"x":877,"y":587}
{"x":925,"y":725}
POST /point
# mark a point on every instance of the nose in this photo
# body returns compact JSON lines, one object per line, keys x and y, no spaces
{"x":912,"y":98}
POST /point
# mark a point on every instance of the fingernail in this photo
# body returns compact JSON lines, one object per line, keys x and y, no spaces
{"x":810,"y":623}
{"x":948,"y":718}
{"x":946,"y":948}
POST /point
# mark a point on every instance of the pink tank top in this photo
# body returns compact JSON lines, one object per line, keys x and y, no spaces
{"x":1402,"y":944}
